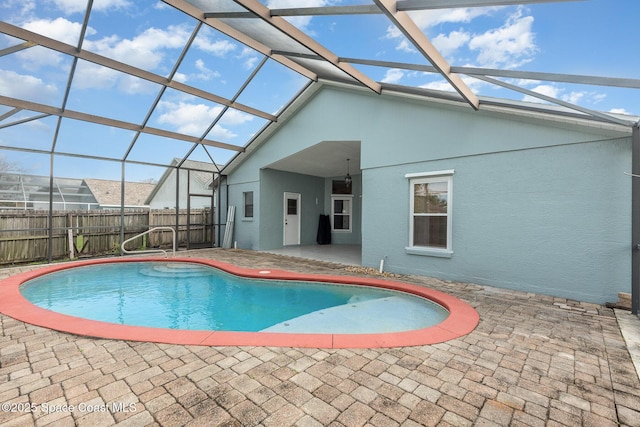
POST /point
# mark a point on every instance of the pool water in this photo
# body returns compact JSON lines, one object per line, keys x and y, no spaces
{"x":198,"y":297}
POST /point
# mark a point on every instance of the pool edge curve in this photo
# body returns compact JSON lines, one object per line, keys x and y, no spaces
{"x":462,"y":317}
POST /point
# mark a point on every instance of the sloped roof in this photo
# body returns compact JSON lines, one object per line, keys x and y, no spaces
{"x":108,"y":192}
{"x":201,"y":171}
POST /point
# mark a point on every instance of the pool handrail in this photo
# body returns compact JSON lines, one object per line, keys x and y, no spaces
{"x":147,"y":251}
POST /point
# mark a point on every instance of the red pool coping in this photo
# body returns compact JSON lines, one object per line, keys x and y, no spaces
{"x":462,"y":318}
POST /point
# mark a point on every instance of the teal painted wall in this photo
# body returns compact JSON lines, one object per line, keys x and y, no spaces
{"x":245,"y":230}
{"x":539,"y":205}
{"x":554,"y":221}
{"x":273,"y":186}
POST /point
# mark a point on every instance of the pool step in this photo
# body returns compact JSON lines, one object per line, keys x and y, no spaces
{"x":378,"y":315}
{"x":175,"y":269}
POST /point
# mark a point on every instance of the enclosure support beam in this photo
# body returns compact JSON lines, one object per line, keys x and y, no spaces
{"x":188,"y":209}
{"x":104,"y":61}
{"x":178,"y":205}
{"x":77,"y":115}
{"x":405,"y":24}
{"x":302,"y":38}
{"x":635,"y":219}
{"x":122,"y":195}
{"x":217,"y":194}
{"x":50,"y":216}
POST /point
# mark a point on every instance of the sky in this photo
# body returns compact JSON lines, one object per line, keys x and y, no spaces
{"x":591,"y":37}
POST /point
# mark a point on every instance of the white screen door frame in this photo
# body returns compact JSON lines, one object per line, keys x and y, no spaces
{"x":291,"y":221}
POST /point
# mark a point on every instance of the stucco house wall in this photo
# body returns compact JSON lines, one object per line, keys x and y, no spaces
{"x":540,"y":202}
{"x":245,"y":230}
{"x":552,"y":220}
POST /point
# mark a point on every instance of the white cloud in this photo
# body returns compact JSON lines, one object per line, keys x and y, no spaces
{"x":249,"y":56}
{"x":438,"y":85}
{"x":509,"y":46}
{"x":218,"y":48}
{"x":447,"y":44}
{"x":574,"y":97}
{"x":202,"y":72}
{"x":134,"y":86}
{"x":548,"y":90}
{"x":444,"y":85}
{"x":27,"y":87}
{"x":92,"y":76}
{"x":393,"y":75}
{"x":37,"y":57}
{"x":59,"y":29}
{"x":80,"y":6}
{"x":619,"y":111}
{"x":234,"y":117}
{"x":597,"y":97}
{"x":193,"y":119}
{"x":161,"y":5}
{"x":524,"y":82}
{"x":143,"y":51}
{"x":221,"y":134}
{"x":18,"y":7}
{"x":405,"y":46}
{"x":427,"y":19}
{"x":181,"y":77}
{"x":146,"y":51}
{"x":250,"y":62}
{"x":560,"y":93}
{"x":205,"y":73}
{"x":583,"y":97}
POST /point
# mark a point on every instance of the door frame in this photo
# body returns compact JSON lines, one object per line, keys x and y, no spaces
{"x":298,"y":197}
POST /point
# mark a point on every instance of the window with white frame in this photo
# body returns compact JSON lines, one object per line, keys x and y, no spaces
{"x":341,"y":213}
{"x":430,"y":211}
{"x":248,"y":204}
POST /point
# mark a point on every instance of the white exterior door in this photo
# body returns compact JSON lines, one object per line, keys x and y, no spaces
{"x":291,"y":219}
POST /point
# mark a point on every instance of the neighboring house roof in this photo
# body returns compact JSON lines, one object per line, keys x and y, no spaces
{"x":107,"y":192}
{"x":201,"y":172}
{"x":22,"y":188}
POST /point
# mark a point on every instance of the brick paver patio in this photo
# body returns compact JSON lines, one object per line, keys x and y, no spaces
{"x":532,"y":361}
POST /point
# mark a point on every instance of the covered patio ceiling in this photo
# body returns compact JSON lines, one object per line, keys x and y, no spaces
{"x":325,"y":159}
{"x":157,"y":105}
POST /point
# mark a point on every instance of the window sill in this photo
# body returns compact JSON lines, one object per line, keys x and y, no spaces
{"x":247,"y":220}
{"x":439,"y":253}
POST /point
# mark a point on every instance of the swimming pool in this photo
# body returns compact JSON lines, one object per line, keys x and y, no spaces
{"x":199,"y":297}
{"x":122,"y":298}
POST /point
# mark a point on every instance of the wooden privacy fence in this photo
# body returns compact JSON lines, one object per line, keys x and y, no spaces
{"x":24,"y":235}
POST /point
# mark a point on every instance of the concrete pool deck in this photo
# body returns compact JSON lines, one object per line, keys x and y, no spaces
{"x":532,"y":360}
